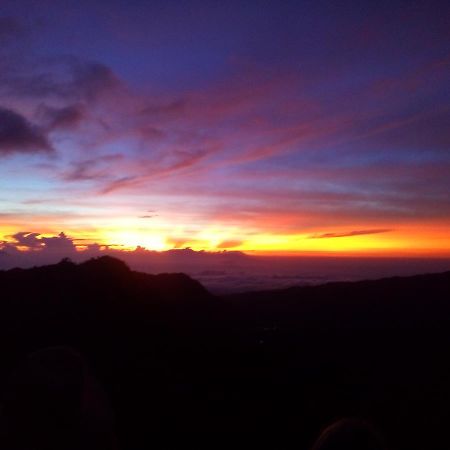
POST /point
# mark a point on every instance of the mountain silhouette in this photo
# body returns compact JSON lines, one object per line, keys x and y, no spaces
{"x":175,"y":359}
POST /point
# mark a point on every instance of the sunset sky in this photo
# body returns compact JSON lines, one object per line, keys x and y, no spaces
{"x":261,"y":126}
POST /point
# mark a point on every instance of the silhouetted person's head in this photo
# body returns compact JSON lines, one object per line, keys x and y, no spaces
{"x":350,"y":434}
{"x":45,"y":393}
{"x":52,"y":401}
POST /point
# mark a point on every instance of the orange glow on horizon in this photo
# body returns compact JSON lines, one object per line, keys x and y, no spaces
{"x":432,"y":240}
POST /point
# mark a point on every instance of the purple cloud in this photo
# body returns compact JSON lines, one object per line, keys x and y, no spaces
{"x":27,"y":239}
{"x":91,"y":79}
{"x":64,"y":118}
{"x":17,"y":135}
{"x":60,"y":243}
{"x":35,"y":241}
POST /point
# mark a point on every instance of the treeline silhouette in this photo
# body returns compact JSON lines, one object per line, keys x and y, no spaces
{"x":178,"y":361}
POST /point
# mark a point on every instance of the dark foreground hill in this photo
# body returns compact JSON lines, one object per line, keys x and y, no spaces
{"x":177,"y":361}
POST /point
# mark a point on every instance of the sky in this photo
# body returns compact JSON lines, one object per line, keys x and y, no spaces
{"x":268,"y":127}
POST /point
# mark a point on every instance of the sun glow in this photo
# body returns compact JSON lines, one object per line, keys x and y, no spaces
{"x":129,"y":240}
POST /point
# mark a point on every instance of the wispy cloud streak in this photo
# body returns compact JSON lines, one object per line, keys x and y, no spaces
{"x":349,"y":233}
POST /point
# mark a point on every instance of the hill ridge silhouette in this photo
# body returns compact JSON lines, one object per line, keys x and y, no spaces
{"x":176,"y":359}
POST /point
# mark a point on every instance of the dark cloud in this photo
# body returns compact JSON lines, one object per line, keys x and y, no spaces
{"x":350,"y":233}
{"x":64,"y":118}
{"x":17,"y":135}
{"x":148,"y":216}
